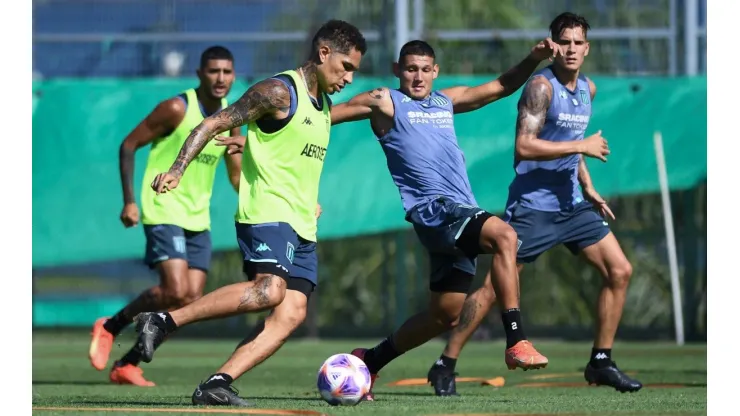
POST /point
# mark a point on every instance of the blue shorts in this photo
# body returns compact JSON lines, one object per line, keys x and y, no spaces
{"x":452,"y":240}
{"x":539,"y":231}
{"x":167,"y":241}
{"x":276,"y":248}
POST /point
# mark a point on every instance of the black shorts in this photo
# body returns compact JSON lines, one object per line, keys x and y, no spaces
{"x":453,"y":244}
{"x":167,"y":241}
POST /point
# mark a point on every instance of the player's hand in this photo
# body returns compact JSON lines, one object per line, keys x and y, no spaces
{"x":318,"y":210}
{"x":130,"y":215}
{"x":593,"y":197}
{"x":546,"y":49}
{"x":233,"y":144}
{"x":165,"y":182}
{"x":596,"y":146}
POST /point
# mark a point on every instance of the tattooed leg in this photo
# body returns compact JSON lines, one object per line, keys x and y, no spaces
{"x":475,"y":308}
{"x":265,"y":292}
{"x":268,"y":336}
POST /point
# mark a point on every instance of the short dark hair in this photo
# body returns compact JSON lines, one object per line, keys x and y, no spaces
{"x":340,"y":36}
{"x":215,"y":52}
{"x":568,"y":20}
{"x":416,"y":47}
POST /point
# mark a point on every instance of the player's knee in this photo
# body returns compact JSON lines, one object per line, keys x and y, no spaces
{"x":620,"y":274}
{"x":505,"y":238}
{"x":176,"y":294}
{"x":448,"y":315}
{"x":447,"y":319}
{"x":191,"y":296}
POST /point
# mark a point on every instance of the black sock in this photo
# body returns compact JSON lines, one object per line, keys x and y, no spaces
{"x":132,"y":357}
{"x":601,"y":357}
{"x":512,"y":319}
{"x":446,"y":362}
{"x":169,"y":323}
{"x":116,"y":324}
{"x":380,"y":355}
{"x":218,"y":380}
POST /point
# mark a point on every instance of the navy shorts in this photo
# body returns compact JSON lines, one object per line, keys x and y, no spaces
{"x":453,"y":242}
{"x":539,"y":231}
{"x":276,"y":248}
{"x":167,"y":241}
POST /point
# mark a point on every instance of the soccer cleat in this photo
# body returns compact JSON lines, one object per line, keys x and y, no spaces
{"x":360,"y":353}
{"x":218,"y":396}
{"x":523,"y":355}
{"x":611,"y":376}
{"x":128,"y":374}
{"x":443,"y":381}
{"x":152,"y":333}
{"x":100,"y":345}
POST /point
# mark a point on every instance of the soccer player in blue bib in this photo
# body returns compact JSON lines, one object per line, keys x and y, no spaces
{"x":414,"y":126}
{"x":552,"y":200}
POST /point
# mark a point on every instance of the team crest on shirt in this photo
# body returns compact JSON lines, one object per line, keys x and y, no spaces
{"x":584,"y":96}
{"x":439,"y":101}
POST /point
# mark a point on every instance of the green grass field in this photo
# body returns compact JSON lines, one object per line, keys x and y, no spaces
{"x":675,"y":380}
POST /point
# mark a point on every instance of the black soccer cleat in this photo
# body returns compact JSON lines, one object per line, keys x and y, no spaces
{"x":218,"y":396}
{"x":152,"y":332}
{"x":443,"y":381}
{"x":611,"y":376}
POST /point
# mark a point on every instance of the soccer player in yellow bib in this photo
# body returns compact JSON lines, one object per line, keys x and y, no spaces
{"x":288,"y":119}
{"x":176,"y":225}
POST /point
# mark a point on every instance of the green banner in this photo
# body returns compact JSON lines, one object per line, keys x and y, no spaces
{"x":78,"y":126}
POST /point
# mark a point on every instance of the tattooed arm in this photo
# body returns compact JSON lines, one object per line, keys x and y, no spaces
{"x":159,"y":123}
{"x":362,"y":106}
{"x":532,"y":108}
{"x":269,"y":98}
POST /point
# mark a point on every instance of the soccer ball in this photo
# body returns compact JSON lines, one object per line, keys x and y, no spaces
{"x":343,"y":379}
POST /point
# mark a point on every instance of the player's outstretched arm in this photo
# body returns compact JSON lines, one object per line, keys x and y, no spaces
{"x":362,"y":106}
{"x":266,"y":98}
{"x":160,"y":122}
{"x":532,"y":111}
{"x":466,"y":99}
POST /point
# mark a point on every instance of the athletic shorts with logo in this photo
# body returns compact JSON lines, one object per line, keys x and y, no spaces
{"x":453,"y":242}
{"x":167,"y":241}
{"x":275,"y":248}
{"x":539,"y":231}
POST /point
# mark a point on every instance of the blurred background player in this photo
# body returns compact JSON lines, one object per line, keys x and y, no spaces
{"x":176,"y":225}
{"x":552,"y":200}
{"x":289,"y":120}
{"x":414,"y":125}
